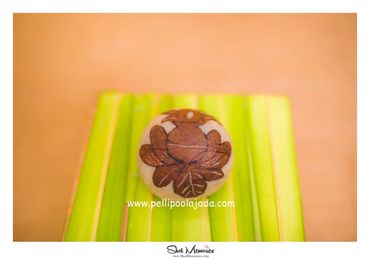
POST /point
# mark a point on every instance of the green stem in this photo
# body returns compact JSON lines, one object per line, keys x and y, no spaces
{"x":234,"y":108}
{"x":84,"y":218}
{"x":263,"y":183}
{"x":285,"y":169}
{"x":109,"y":228}
{"x":139,"y":225}
{"x":263,"y":168}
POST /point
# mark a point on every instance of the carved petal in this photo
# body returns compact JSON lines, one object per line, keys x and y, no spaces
{"x":190,"y":183}
{"x":164,"y":174}
{"x":148,"y":156}
{"x":171,"y":116}
{"x":169,"y":112}
{"x":187,"y":115}
{"x":216,"y":157}
{"x":211,"y":175}
{"x":158,"y":138}
{"x":225,"y":148}
{"x":214,"y":138}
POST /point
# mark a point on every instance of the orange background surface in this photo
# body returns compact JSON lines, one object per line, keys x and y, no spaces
{"x":62,"y":61}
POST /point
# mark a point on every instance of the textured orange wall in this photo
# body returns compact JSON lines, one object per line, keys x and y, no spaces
{"x":62,"y":61}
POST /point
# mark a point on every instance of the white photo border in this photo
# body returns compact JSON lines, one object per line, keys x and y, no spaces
{"x":10,"y":249}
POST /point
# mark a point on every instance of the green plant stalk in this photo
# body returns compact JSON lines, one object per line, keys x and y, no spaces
{"x":234,"y":108}
{"x":285,"y":169}
{"x":263,"y":168}
{"x":140,"y":218}
{"x":222,"y":219}
{"x":110,"y":221}
{"x":249,"y":162}
{"x":189,"y":224}
{"x":161,"y":216}
{"x":264,"y":180}
{"x":83,"y":220}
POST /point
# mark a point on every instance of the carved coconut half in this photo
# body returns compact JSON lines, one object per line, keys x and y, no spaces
{"x":185,"y":154}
